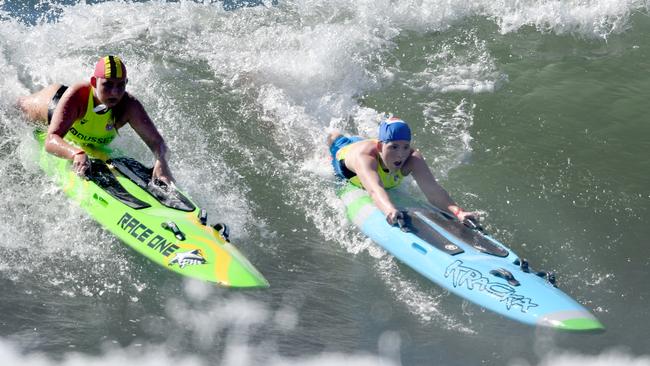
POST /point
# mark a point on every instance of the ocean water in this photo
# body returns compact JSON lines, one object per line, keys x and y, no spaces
{"x":533,"y":112}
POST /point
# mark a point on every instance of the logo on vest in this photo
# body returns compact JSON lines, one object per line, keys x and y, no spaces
{"x":83,"y":121}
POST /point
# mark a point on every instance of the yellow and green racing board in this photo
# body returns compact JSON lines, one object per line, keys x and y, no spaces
{"x":161,"y":223}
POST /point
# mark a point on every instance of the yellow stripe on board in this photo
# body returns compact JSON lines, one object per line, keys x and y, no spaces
{"x":221,"y":257}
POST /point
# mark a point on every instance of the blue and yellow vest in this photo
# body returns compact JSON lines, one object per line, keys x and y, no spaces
{"x":387,"y":180}
{"x":92,"y":128}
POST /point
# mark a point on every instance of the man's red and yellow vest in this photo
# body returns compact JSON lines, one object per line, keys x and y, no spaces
{"x":92,"y":128}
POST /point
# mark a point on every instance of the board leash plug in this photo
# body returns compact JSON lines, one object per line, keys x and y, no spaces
{"x":171,"y":226}
{"x":203,"y":216}
{"x":222,"y":229}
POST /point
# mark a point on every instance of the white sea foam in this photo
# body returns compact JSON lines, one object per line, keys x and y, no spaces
{"x":450,"y":122}
{"x":590,"y":18}
{"x":594,"y":18}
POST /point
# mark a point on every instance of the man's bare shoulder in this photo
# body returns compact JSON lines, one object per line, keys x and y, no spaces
{"x":79,"y":87}
{"x":130,"y":110}
{"x":366,"y":147}
{"x":130,"y":104}
{"x":77,"y":93}
{"x":362,"y":154}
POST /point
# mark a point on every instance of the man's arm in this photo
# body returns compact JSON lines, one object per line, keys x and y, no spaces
{"x":365,"y":166}
{"x":139,"y":120}
{"x":436,"y":195}
{"x":71,"y":106}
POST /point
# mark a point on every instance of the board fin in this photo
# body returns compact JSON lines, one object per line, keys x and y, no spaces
{"x":506,"y":275}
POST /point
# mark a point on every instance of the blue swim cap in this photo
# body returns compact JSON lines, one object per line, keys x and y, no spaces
{"x":394,"y":129}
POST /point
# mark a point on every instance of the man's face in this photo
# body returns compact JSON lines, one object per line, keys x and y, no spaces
{"x":395,"y":153}
{"x":110,"y":91}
